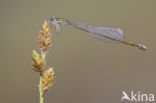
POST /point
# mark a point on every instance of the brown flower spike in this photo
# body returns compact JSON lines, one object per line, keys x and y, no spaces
{"x":45,"y":37}
{"x":39,"y":63}
{"x":48,"y":78}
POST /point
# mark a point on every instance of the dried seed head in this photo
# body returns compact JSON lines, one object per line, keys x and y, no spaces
{"x":45,"y":37}
{"x":48,"y":78}
{"x":38,"y":62}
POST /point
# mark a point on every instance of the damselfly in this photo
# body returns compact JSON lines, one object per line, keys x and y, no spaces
{"x":100,"y":32}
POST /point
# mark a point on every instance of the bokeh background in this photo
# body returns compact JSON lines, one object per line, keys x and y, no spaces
{"x":87,"y":70}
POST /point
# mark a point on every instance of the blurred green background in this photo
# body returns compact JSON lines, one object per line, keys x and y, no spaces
{"x":87,"y":70}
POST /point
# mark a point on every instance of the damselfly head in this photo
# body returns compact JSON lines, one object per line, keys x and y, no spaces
{"x":52,"y":18}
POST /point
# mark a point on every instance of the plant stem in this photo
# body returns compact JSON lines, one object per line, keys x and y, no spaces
{"x":43,"y":54}
{"x":41,"y":91}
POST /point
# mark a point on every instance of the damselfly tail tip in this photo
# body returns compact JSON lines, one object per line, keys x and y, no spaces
{"x":142,"y":47}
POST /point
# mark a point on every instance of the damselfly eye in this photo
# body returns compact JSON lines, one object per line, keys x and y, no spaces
{"x":52,"y":18}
